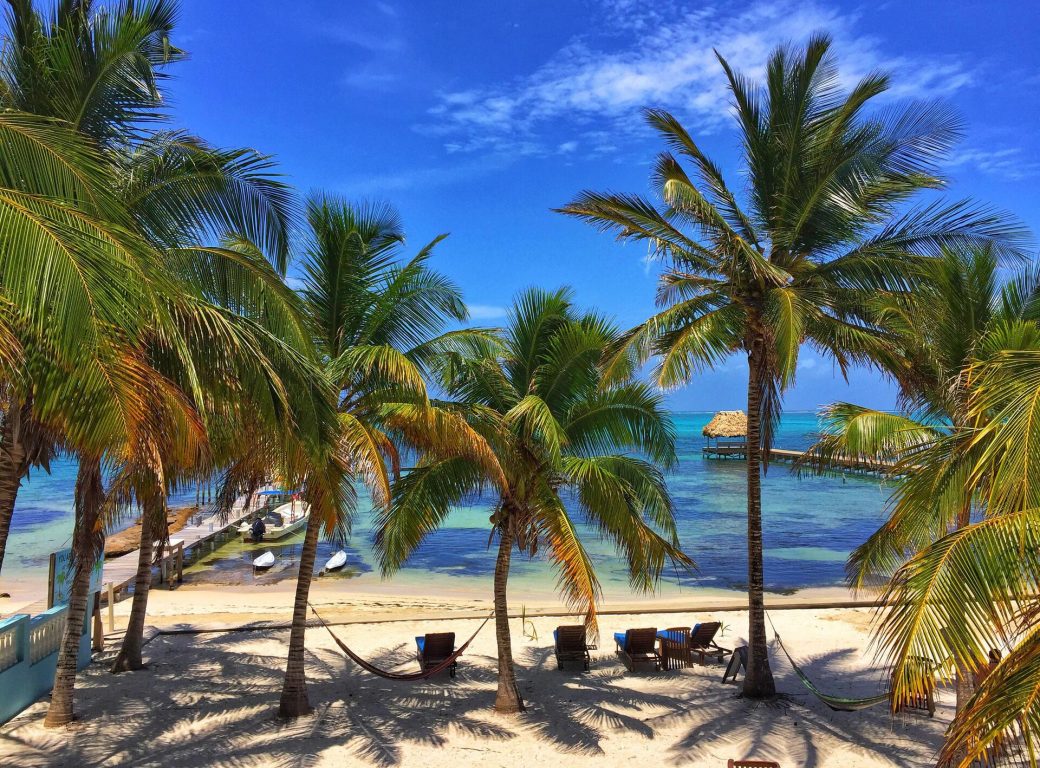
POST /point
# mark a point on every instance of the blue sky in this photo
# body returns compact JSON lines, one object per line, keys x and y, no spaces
{"x":476,"y":118}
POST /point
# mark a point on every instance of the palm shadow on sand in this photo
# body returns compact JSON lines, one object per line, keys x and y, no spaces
{"x":211,"y":700}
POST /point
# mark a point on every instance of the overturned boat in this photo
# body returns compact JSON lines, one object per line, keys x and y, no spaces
{"x":335,"y":562}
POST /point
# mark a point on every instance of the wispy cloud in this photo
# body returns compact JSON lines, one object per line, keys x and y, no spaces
{"x":1007,"y":163}
{"x":373,"y":35}
{"x":662,"y":54}
{"x":486,"y":312}
{"x":379,"y":185}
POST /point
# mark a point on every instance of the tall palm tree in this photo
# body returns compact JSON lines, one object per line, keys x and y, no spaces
{"x":96,"y":70}
{"x":822,"y":229}
{"x":564,"y":444}
{"x":378,"y":323}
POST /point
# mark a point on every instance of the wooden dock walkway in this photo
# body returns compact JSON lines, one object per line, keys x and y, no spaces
{"x":188,"y":541}
{"x":788,"y":456}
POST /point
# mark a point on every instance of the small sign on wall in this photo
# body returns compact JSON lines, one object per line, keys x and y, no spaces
{"x":59,"y":580}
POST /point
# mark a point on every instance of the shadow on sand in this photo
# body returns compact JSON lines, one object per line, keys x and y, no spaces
{"x":209,"y":700}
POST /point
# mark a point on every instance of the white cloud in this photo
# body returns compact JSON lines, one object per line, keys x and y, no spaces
{"x":486,"y":312}
{"x":296,"y":283}
{"x":1008,"y":163}
{"x":666,"y":58}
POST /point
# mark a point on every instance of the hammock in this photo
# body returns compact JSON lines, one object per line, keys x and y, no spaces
{"x":837,"y":703}
{"x":407,"y":676}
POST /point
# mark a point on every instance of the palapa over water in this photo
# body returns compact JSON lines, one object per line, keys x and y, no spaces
{"x":726,"y":424}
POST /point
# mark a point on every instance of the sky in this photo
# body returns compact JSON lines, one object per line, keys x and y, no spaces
{"x":477,"y":118}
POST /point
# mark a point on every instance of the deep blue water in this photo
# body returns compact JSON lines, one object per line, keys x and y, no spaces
{"x":810,"y":526}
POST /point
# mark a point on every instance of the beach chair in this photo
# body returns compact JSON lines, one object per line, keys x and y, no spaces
{"x":924,"y":701}
{"x":752,"y":764}
{"x":674,"y":645}
{"x":571,"y":645}
{"x":433,"y":648}
{"x":684,"y":645}
{"x":637,"y":646}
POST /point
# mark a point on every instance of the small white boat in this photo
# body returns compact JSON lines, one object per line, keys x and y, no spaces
{"x":265,"y":561}
{"x":335,"y":562}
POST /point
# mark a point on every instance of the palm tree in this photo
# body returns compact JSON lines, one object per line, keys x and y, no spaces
{"x":975,"y":587}
{"x":822,"y":230}
{"x":94,"y":70}
{"x":377,"y":323}
{"x":959,"y":318}
{"x":563,"y":442}
{"x":97,"y":70}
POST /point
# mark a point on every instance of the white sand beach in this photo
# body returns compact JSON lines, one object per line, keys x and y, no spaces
{"x":210,"y":699}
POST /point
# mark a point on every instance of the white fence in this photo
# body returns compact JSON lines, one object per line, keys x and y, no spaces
{"x":45,"y":633}
{"x":9,"y":647}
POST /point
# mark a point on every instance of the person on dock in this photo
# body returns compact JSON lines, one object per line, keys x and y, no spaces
{"x":258,"y":529}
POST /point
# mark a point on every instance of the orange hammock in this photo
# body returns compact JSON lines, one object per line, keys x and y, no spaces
{"x":407,"y":676}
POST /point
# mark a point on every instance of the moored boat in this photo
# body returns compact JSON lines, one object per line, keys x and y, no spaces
{"x":335,"y":562}
{"x":283,"y":514}
{"x":265,"y":561}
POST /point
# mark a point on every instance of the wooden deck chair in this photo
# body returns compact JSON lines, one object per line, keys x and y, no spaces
{"x":674,"y":645}
{"x":702,"y":641}
{"x":433,"y":648}
{"x":752,"y":764}
{"x":637,"y":646}
{"x":683,"y":645}
{"x":923,"y":702}
{"x":571,"y":645}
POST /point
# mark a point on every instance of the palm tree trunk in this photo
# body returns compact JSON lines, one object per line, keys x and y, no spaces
{"x":758,"y":682}
{"x":12,"y":470}
{"x":89,"y":498}
{"x":129,"y":657}
{"x":294,"y":701}
{"x":508,"y":697}
{"x":964,"y":681}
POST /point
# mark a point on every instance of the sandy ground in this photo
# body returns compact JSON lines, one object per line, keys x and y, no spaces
{"x":210,"y":699}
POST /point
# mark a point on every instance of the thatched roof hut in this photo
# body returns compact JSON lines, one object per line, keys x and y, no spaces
{"x":726,"y":424}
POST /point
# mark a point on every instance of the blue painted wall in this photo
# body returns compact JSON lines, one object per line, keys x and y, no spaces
{"x":24,"y":683}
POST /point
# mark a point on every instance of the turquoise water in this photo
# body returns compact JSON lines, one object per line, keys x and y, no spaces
{"x":810,"y":526}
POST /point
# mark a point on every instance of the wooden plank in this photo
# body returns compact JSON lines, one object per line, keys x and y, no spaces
{"x":120,"y":571}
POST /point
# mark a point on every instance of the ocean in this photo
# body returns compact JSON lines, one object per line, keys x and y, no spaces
{"x":810,"y":526}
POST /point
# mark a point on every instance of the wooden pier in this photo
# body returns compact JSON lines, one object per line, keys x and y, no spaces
{"x":788,"y":456}
{"x":189,"y":543}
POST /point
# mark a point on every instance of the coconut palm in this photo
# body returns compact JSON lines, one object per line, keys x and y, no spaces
{"x":96,"y":71}
{"x":976,"y":587}
{"x":377,"y":322}
{"x":959,"y":318}
{"x":822,"y":229}
{"x":565,"y":445}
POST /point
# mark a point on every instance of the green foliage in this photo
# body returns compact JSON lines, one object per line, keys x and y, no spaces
{"x":559,"y":439}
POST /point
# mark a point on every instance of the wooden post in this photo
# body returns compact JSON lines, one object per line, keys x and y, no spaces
{"x":111,"y":606}
{"x":97,"y":639}
{"x":50,"y":582}
{"x":180,"y":562}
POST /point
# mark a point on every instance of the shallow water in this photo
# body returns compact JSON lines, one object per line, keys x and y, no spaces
{"x":810,"y":526}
